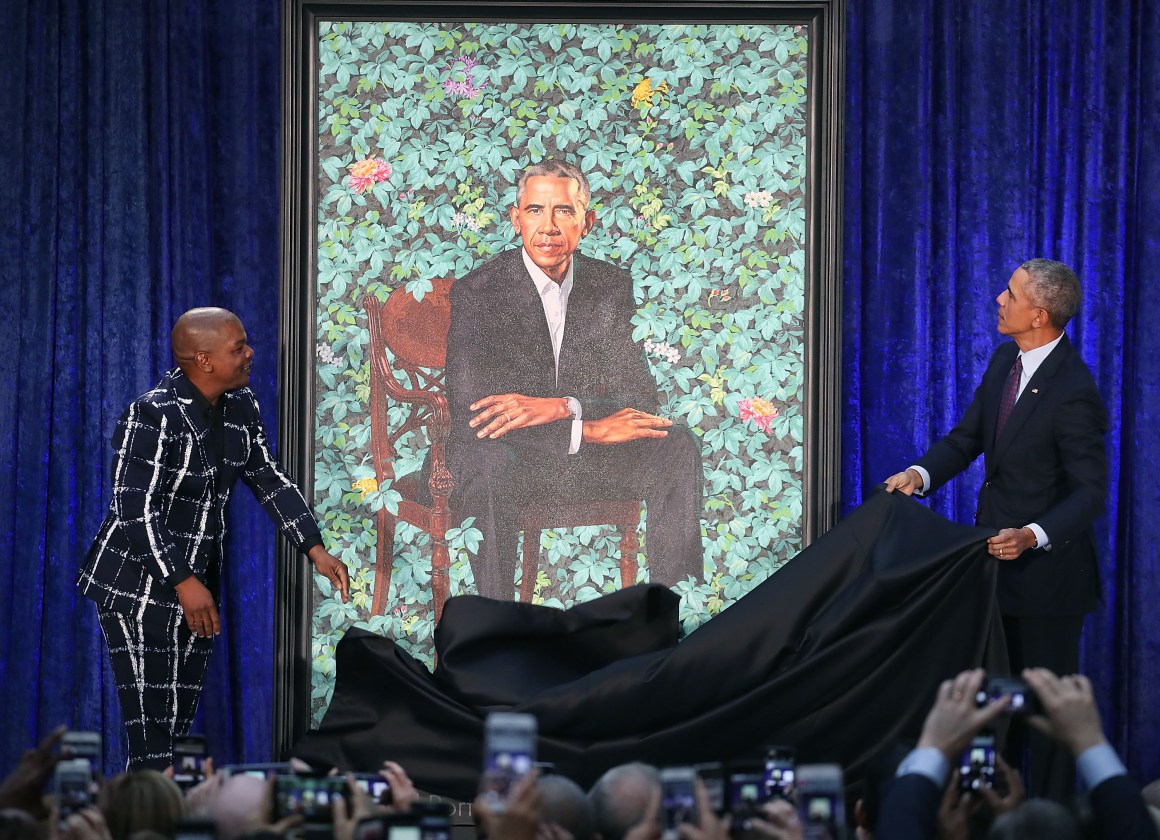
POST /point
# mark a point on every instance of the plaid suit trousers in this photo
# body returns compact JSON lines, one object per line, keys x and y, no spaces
{"x":159,"y":669}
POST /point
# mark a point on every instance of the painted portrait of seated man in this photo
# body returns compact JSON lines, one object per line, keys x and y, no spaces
{"x":550,"y":397}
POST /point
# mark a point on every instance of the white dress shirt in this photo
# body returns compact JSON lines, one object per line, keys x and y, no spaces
{"x":554,"y":297}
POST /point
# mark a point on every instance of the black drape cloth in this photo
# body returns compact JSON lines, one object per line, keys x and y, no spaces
{"x":838,"y":653}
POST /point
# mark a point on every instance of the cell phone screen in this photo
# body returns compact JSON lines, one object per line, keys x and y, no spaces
{"x":509,"y":755}
{"x":821,"y":806}
{"x":977,"y":764}
{"x":309,"y":796}
{"x":189,"y":760}
{"x":678,"y":799}
{"x":779,"y":774}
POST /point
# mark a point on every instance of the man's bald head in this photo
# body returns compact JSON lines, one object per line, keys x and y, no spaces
{"x":210,"y":345}
{"x":199,"y":331}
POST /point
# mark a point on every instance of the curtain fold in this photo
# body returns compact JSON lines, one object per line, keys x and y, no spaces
{"x":139,"y":177}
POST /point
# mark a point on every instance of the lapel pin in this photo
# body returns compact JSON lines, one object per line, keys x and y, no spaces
{"x":1035,"y":390}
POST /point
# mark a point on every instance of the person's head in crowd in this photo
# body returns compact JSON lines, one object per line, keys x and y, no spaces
{"x":621,"y":797}
{"x":141,"y":801}
{"x":564,"y":803}
{"x":239,"y":806}
{"x":1036,"y":819}
{"x":16,"y":824}
{"x":1151,"y":793}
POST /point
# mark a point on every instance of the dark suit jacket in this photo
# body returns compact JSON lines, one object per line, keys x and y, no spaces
{"x":1049,"y":467}
{"x":1120,"y":810}
{"x":910,"y":810}
{"x":499,"y":343}
{"x":167,"y":517}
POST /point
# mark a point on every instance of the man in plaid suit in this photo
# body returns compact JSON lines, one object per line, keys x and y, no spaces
{"x":154,"y":569}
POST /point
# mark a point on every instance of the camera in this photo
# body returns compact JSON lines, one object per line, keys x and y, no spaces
{"x":75,"y":786}
{"x":308,"y":796}
{"x":86,"y":745}
{"x":258,"y":771}
{"x":821,"y":807}
{"x":1023,"y":699}
{"x":509,"y":753}
{"x":189,"y":761}
{"x":977,"y":764}
{"x":678,"y":799}
{"x":712,"y":776}
{"x":745,"y":792}
{"x":375,"y":786}
{"x":779,"y":772}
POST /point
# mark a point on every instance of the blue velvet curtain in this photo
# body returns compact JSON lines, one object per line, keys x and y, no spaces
{"x":138,"y":177}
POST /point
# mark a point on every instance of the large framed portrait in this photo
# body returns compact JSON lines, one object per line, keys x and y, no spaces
{"x":710,"y":137}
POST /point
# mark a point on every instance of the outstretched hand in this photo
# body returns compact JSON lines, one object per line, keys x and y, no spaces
{"x":23,"y":787}
{"x":333,"y":569}
{"x":955,"y":718}
{"x":908,"y":481}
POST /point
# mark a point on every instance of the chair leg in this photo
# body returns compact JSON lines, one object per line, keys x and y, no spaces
{"x":440,"y":574}
{"x":629,"y":546}
{"x":531,"y":565}
{"x":384,"y":561}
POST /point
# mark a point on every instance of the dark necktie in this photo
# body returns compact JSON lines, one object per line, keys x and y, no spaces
{"x":1010,"y":392}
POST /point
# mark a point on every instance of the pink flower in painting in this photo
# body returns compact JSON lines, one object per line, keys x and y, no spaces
{"x":760,"y":411}
{"x":364,"y":174}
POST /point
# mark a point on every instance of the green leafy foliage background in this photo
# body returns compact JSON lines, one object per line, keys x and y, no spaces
{"x":694,"y":141}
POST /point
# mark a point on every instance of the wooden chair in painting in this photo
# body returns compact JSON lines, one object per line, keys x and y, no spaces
{"x":408,"y":351}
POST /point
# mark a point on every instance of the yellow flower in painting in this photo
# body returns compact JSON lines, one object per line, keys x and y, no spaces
{"x":644,"y":92}
{"x":364,"y":486}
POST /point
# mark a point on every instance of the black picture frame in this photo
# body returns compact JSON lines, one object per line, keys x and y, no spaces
{"x":821,"y":481}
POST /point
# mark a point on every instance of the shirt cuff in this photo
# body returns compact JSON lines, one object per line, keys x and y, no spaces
{"x":926,"y":761}
{"x":925,"y":478}
{"x":1097,"y":764}
{"x":577,"y":425}
{"x":308,"y":544}
{"x":1041,"y":540}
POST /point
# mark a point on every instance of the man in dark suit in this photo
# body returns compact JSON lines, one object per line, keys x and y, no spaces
{"x":549,"y":396}
{"x":154,"y":568}
{"x":1039,"y":422}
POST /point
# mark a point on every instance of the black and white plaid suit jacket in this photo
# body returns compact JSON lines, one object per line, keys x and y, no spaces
{"x":167,"y":517}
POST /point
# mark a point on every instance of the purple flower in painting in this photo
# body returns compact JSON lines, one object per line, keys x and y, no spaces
{"x":465,"y":88}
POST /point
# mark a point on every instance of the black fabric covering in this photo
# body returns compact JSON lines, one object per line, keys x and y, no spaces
{"x":838,"y":653}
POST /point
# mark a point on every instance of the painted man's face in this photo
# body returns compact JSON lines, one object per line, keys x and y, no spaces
{"x":551,"y":219}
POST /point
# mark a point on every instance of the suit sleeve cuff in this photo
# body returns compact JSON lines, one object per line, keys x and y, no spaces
{"x":926,"y":761}
{"x":1097,"y":764}
{"x":309,"y":543}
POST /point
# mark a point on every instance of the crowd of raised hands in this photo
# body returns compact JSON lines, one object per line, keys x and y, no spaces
{"x":933,"y":792}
